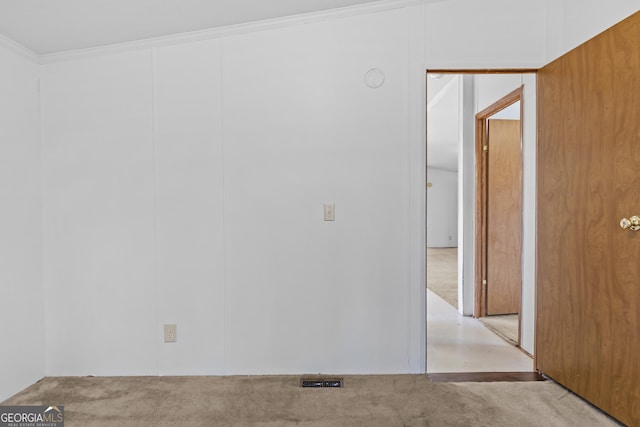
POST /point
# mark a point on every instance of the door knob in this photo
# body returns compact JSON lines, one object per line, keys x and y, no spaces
{"x":632,"y":223}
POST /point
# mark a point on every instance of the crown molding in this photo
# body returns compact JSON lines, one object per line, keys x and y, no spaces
{"x":231,"y":30}
{"x":17,"y":48}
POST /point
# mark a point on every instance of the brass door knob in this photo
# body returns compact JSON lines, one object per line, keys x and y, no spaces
{"x":632,"y":223}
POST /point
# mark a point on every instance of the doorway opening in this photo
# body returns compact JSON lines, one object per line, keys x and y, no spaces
{"x":457,"y":339}
{"x":498,"y":287}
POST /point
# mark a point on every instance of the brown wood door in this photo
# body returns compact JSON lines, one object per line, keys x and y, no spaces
{"x":588,"y":268}
{"x":504,"y":217}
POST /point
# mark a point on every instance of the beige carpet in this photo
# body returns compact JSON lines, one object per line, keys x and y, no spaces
{"x":442,"y":273}
{"x":504,"y":326}
{"x":395,"y":400}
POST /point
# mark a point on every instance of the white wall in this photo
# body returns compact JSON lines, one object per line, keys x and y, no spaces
{"x":467,"y":34}
{"x":572,"y":22}
{"x":488,"y":34}
{"x":185,"y":184}
{"x":442,"y":208}
{"x":100,"y":288}
{"x":301,"y":129}
{"x":512,"y":112}
{"x":443,"y":122}
{"x":21,"y":302}
{"x":492,"y":87}
{"x":189,"y":209}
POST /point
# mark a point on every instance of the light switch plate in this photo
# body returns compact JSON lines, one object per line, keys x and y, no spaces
{"x":329,"y":212}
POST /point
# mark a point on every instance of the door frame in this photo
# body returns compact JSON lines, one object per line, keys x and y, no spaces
{"x":481,"y":126}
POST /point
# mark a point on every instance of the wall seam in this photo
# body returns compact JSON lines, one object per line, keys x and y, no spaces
{"x":154,"y":154}
{"x":43,"y":280}
{"x":225,"y":233}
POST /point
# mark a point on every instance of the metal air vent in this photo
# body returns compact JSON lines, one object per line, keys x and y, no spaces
{"x":321,"y":382}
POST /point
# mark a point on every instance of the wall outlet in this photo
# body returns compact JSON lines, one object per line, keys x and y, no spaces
{"x":329,"y":212}
{"x":170,"y":333}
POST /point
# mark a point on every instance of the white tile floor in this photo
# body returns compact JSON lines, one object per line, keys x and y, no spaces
{"x":463,"y":344}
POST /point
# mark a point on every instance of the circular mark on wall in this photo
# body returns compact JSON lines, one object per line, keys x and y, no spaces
{"x":374,"y":78}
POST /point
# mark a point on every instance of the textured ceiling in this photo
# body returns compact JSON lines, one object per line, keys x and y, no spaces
{"x":49,"y":26}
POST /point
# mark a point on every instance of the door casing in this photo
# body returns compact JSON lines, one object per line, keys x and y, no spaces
{"x":480,"y":309}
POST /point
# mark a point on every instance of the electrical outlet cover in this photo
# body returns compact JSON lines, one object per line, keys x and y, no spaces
{"x":329,"y":212}
{"x":170,"y":333}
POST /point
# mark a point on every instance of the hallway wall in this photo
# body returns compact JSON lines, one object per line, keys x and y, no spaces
{"x":442,"y":209}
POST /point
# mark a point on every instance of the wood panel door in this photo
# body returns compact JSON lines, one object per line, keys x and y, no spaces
{"x":588,"y":268}
{"x":504,"y":217}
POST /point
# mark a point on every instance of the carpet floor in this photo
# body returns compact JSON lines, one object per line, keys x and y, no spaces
{"x":393,"y":400}
{"x":504,"y":326}
{"x":442,"y":273}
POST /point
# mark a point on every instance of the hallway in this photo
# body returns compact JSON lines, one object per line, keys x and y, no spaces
{"x":463,"y":344}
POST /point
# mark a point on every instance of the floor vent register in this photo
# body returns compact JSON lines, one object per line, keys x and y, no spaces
{"x":321,"y":382}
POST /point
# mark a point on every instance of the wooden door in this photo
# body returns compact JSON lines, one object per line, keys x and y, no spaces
{"x":588,"y":268}
{"x":504,"y":217}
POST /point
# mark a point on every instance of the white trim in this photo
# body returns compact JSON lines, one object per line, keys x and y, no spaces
{"x":19,"y":49}
{"x":230,"y":30}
